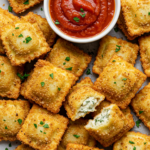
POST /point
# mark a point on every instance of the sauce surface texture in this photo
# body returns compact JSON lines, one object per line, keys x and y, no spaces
{"x":82,"y":18}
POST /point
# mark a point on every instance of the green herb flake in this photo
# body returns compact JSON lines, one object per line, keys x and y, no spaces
{"x":81,"y":9}
{"x":76,"y":19}
{"x":26,"y":2}
{"x":124,"y":79}
{"x":35,"y":125}
{"x":42,"y":84}
{"x":9,"y":144}
{"x":51,"y":75}
{"x":88,"y":72}
{"x":114,"y":82}
{"x":44,"y":132}
{"x":67,"y":58}
{"x":59,"y":89}
{"x":6,"y":127}
{"x":20,"y":35}
{"x":17,"y":28}
{"x":116,"y":29}
{"x":12,"y":34}
{"x":9,"y":8}
{"x":134,"y":148}
{"x":20,"y":121}
{"x":145,"y":143}
{"x":15,"y":120}
{"x":77,"y":136}
{"x":64,"y":63}
{"x":118,"y":48}
{"x":46,"y":126}
{"x":0,"y":71}
{"x":28,"y":39}
{"x":41,"y":131}
{"x":70,"y":68}
{"x":41,"y":122}
{"x":4,"y":120}
{"x":135,"y":15}
{"x":102,"y":56}
{"x":114,"y":61}
{"x":57,"y":22}
{"x":149,"y":13}
{"x":138,"y":123}
{"x":2,"y":64}
{"x":6,"y":148}
{"x":22,"y":77}
{"x":41,"y":9}
{"x":23,"y":41}
{"x":82,"y":15}
{"x":140,"y":112}
{"x":131,"y":142}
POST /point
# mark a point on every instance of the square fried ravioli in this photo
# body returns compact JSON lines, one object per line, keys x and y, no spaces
{"x":76,"y":133}
{"x":20,"y":6}
{"x":119,"y":81}
{"x":42,"y":129}
{"x":68,"y":57}
{"x":72,"y":146}
{"x":48,"y":86}
{"x":141,"y":105}
{"x":108,"y":126}
{"x":10,"y":83}
{"x":5,"y":18}
{"x":133,"y":141}
{"x":145,"y":53}
{"x":82,"y":101}
{"x":136,"y":16}
{"x":111,"y":45}
{"x":24,"y":147}
{"x":48,"y":33}
{"x":23,"y":41}
{"x":12,"y":116}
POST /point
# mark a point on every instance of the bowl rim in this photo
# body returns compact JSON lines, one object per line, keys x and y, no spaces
{"x":82,"y":40}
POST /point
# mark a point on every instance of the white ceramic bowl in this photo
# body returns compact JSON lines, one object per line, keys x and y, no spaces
{"x":82,"y":40}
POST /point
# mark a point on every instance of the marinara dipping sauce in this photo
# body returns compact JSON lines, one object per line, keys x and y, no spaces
{"x":82,"y":18}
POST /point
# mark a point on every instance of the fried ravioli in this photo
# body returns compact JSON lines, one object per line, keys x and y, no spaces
{"x":48,"y":33}
{"x":48,"y":86}
{"x":42,"y":129}
{"x":133,"y":141}
{"x":10,"y":82}
{"x":108,"y":126}
{"x":23,"y":41}
{"x":68,"y":57}
{"x":12,"y":116}
{"x":72,"y":146}
{"x":119,"y":81}
{"x":111,"y":45}
{"x":20,"y":6}
{"x":24,"y":147}
{"x":140,"y":104}
{"x":76,"y":134}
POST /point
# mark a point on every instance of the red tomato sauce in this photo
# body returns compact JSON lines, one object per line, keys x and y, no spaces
{"x":82,"y":18}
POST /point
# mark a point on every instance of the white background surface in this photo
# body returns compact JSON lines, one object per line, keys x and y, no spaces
{"x":89,"y":48}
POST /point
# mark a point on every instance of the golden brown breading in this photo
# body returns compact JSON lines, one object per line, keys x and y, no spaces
{"x":23,"y":42}
{"x":42,"y":129}
{"x":49,"y":34}
{"x":77,"y":61}
{"x":24,"y":147}
{"x":133,"y":141}
{"x":20,"y":6}
{"x":111,"y":45}
{"x":136,"y":16}
{"x":12,"y":116}
{"x":141,"y":105}
{"x":145,"y":53}
{"x":72,"y":146}
{"x":5,"y":18}
{"x":48,"y":85}
{"x":119,"y":81}
{"x":108,"y":126}
{"x":76,"y":134}
{"x":82,"y":101}
{"x":10,"y":82}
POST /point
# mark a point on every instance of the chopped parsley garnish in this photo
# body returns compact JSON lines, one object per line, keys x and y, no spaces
{"x":124,"y":79}
{"x":145,"y":143}
{"x":44,"y":132}
{"x":70,"y":68}
{"x":88,"y":72}
{"x":26,"y":2}
{"x":114,"y":82}
{"x":41,"y":122}
{"x":28,"y":39}
{"x":9,"y":8}
{"x":118,"y":48}
{"x":22,"y":77}
{"x":81,"y":9}
{"x":9,"y":144}
{"x":20,"y":35}
{"x":82,"y":15}
{"x":102,"y":56}
{"x":134,"y":148}
{"x":17,"y":28}
{"x":6,"y":148}
{"x":116,"y":29}
{"x":35,"y":125}
{"x":141,"y":111}
{"x":19,"y":121}
{"x":138,"y":123}
{"x":12,"y":34}
{"x":77,"y":136}
{"x":41,"y":9}
{"x":131,"y":142}
{"x":4,"y":120}
{"x":148,"y":13}
{"x":51,"y":75}
{"x":64,"y":63}
{"x":114,"y":61}
{"x":67,"y":58}
{"x":57,"y":22}
{"x":76,"y":19}
{"x":46,"y":126}
{"x":2,"y":64}
{"x":6,"y":127}
{"x":59,"y":89}
{"x":0,"y":71}
{"x":42,"y":84}
{"x":41,"y":131}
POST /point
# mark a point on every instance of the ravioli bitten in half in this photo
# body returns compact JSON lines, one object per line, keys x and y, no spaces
{"x":48,"y":85}
{"x":111,"y":45}
{"x":10,"y":83}
{"x":24,"y":147}
{"x":72,"y":146}
{"x":12,"y":116}
{"x":82,"y":101}
{"x":140,"y":104}
{"x":23,"y":42}
{"x":108,"y":126}
{"x":119,"y":81}
{"x":76,"y":133}
{"x":68,"y":57}
{"x":20,"y":6}
{"x":42,"y":129}
{"x":133,"y":141}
